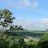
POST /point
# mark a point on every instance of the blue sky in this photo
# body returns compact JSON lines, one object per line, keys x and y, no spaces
{"x":31,"y":11}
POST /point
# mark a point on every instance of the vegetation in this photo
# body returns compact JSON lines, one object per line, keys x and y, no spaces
{"x":5,"y":18}
{"x":6,"y":41}
{"x":16,"y":28}
{"x":43,"y":42}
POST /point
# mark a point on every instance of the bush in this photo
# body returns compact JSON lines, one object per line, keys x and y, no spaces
{"x":43,"y":42}
{"x":4,"y":43}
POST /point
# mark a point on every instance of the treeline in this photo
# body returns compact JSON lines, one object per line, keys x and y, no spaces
{"x":33,"y":34}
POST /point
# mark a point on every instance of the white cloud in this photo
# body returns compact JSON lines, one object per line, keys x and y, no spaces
{"x":26,"y":2}
{"x":22,"y":21}
{"x":26,"y":24}
{"x":41,"y":25}
{"x":43,"y":20}
{"x":29,"y":24}
{"x":14,"y":6}
{"x":34,"y":4}
{"x":23,"y":4}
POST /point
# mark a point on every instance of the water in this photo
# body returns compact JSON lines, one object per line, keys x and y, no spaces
{"x":26,"y":40}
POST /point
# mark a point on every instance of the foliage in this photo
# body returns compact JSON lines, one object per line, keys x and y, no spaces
{"x":4,"y":43}
{"x":10,"y":33}
{"x":21,"y":41}
{"x":44,"y":37}
{"x":22,"y":33}
{"x":7,"y":42}
{"x":43,"y":42}
{"x":5,"y":17}
{"x":33,"y":34}
{"x":16,"y":28}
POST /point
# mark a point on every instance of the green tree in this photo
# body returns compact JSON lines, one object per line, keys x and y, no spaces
{"x":18,"y":28}
{"x":6,"y":18}
{"x":4,"y":43}
{"x":11,"y":28}
{"x":43,"y":42}
{"x":21,"y":42}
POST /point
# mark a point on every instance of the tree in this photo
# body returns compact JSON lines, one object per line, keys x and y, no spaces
{"x":4,"y":43}
{"x":21,"y":42}
{"x":16,"y":27}
{"x":11,"y":28}
{"x":43,"y":42}
{"x":6,"y":18}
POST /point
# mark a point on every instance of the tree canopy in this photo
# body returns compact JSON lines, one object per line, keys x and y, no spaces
{"x":43,"y":42}
{"x":6,"y":17}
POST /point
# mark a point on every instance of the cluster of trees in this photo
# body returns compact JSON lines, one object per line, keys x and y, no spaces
{"x":7,"y":42}
{"x":16,"y":28}
{"x":34,"y":34}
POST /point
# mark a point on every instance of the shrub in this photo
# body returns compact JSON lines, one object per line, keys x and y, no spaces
{"x":43,"y":42}
{"x":4,"y":43}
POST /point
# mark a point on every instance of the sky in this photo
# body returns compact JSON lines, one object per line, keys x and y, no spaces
{"x":30,"y":14}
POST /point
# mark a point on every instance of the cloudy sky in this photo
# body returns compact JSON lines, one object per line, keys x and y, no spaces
{"x":31,"y":14}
